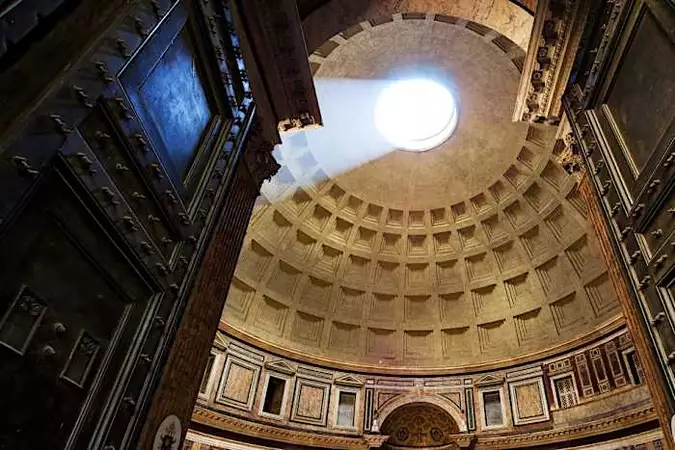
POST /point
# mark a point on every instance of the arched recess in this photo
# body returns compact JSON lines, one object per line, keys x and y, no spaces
{"x":413,"y":398}
{"x":420,"y":425}
{"x":335,"y":16}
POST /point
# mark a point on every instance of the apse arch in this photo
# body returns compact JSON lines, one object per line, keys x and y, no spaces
{"x":437,"y":401}
{"x":420,"y":425}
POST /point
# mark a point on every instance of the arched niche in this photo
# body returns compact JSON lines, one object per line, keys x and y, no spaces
{"x":436,"y":400}
{"x":420,"y":425}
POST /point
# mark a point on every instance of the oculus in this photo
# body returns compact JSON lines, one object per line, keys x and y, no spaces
{"x":416,"y":114}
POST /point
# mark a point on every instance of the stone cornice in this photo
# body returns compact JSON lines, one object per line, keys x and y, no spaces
{"x":592,"y":428}
{"x":292,"y":436}
{"x":557,"y":29}
{"x":459,"y":441}
{"x":222,"y":421}
{"x":603,"y":51}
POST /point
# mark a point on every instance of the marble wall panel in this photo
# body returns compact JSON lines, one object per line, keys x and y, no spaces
{"x":310,"y":402}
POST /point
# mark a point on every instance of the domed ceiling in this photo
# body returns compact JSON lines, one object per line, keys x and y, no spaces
{"x":471,"y":255}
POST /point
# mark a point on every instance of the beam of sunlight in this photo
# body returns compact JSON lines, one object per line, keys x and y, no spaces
{"x":362,"y":122}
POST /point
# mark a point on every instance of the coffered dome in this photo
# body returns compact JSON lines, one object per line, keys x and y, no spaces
{"x":470,"y":255}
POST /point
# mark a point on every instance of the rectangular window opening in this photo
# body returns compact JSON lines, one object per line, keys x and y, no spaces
{"x":346,"y":409}
{"x":492,"y":408}
{"x":274,"y":396}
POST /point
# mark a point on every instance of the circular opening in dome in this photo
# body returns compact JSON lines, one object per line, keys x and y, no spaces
{"x":416,"y":114}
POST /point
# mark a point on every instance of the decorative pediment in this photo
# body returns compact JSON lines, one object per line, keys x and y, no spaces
{"x":489,"y":380}
{"x":280,"y":366}
{"x":349,"y":380}
{"x":220,"y":341}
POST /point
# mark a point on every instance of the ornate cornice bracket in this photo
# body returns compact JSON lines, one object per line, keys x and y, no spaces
{"x":258,"y":156}
{"x":566,"y":151}
{"x":557,"y":30}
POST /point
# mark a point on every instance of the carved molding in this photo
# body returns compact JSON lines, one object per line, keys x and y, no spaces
{"x":591,"y":428}
{"x":444,"y":403}
{"x":280,"y":366}
{"x":459,"y":441}
{"x":349,"y":380}
{"x":558,"y":25}
{"x":489,"y":380}
{"x":291,"y":436}
{"x":375,"y":440}
{"x":570,"y":159}
{"x":366,"y":441}
{"x":567,"y":151}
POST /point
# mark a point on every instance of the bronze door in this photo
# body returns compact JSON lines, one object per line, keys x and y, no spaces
{"x":108,"y":193}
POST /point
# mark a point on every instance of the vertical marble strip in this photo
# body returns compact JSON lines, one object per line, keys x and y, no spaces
{"x":368,"y":413}
{"x":638,"y":367}
{"x":584,"y":375}
{"x":599,"y":370}
{"x":615,"y":364}
{"x":470,"y":414}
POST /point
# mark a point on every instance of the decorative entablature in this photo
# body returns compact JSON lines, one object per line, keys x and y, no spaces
{"x":281,"y":79}
{"x":278,"y":434}
{"x":558,"y":25}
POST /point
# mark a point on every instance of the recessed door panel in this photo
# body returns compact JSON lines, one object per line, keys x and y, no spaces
{"x":173,"y":94}
{"x":70,"y":303}
{"x":643,"y":92}
{"x":167,"y":85}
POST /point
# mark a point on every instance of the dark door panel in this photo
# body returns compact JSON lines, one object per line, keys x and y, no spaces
{"x":627,"y":133}
{"x":168,"y":87}
{"x":70,"y":303}
{"x":635,"y":111}
{"x":110,"y":150}
{"x":110,"y":186}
